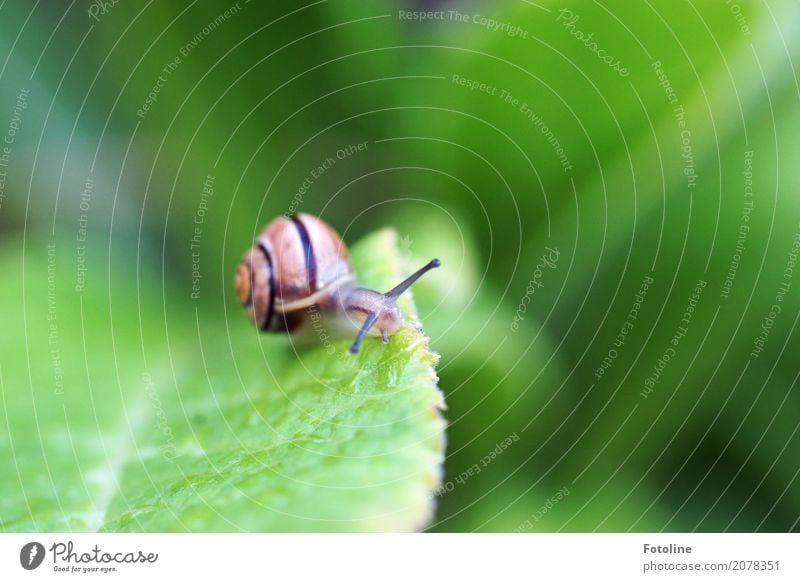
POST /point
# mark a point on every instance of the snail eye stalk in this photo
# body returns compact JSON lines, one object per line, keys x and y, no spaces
{"x":391,"y":296}
{"x":368,"y":323}
{"x":400,"y":289}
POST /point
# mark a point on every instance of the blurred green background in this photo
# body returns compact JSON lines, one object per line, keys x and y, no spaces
{"x":612,"y":187}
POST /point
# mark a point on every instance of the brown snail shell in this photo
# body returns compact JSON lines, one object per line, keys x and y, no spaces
{"x":299,"y":262}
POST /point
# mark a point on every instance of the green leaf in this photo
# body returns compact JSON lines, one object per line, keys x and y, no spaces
{"x":303,"y":440}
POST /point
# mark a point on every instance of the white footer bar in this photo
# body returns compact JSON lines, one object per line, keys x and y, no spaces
{"x":402,"y":557}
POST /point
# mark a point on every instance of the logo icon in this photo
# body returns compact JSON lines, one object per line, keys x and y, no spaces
{"x":31,"y":555}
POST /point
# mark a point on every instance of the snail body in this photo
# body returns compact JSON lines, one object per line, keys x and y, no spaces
{"x":300,"y":263}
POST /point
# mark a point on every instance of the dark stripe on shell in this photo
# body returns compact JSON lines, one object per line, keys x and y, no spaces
{"x":308,"y":253}
{"x":270,"y":308}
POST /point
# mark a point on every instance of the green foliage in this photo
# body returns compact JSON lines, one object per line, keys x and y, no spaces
{"x":469,"y":176}
{"x":303,"y":441}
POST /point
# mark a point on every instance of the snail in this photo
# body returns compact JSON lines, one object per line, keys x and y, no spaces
{"x":299,"y":263}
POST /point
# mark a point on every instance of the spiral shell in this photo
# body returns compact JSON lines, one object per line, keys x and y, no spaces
{"x":295,"y":263}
